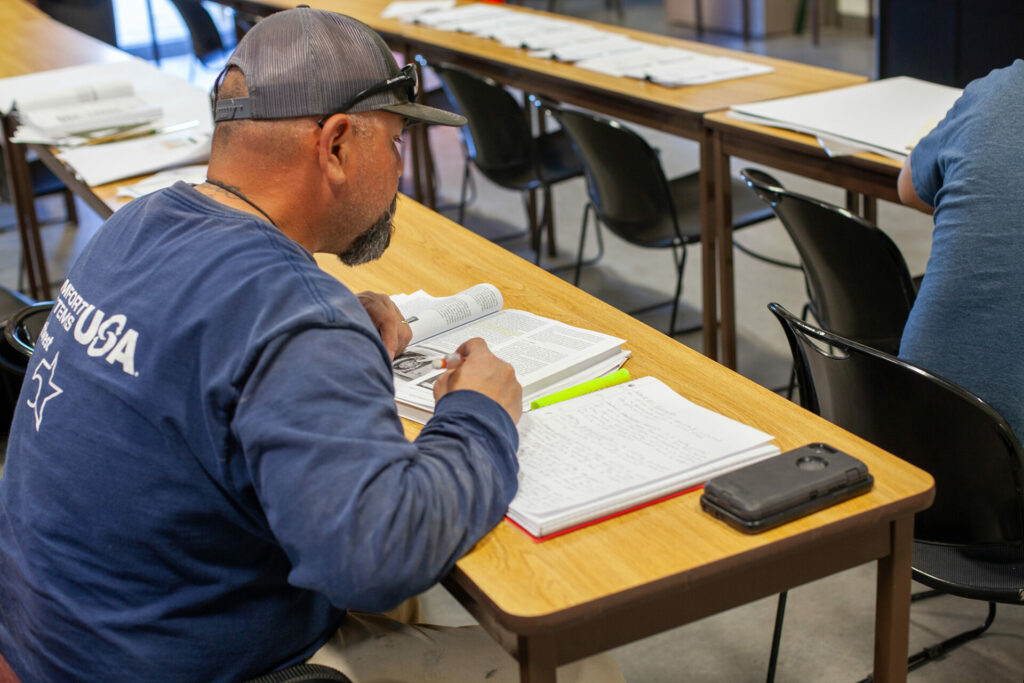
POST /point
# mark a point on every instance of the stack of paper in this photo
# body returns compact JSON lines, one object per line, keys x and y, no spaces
{"x":86,"y":103}
{"x":547,"y":355}
{"x":587,"y":46}
{"x":612,"y":450}
{"x":81,"y":110}
{"x":887,"y":117}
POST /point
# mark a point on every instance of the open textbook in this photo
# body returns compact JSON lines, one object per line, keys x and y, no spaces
{"x":618,"y":448}
{"x":547,"y":355}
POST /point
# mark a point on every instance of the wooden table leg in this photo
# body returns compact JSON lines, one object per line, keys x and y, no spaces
{"x":723,"y":245}
{"x":536,"y":661}
{"x":869,"y":209}
{"x":707,"y":247}
{"x":862,"y":205}
{"x":892,"y":605}
{"x":23,"y":198}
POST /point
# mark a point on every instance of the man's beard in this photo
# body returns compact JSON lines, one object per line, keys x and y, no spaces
{"x":371,"y":244}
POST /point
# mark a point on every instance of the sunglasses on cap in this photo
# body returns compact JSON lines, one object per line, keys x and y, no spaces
{"x":407,"y":78}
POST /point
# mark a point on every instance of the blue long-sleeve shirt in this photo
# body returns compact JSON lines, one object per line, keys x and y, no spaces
{"x":206,"y":468}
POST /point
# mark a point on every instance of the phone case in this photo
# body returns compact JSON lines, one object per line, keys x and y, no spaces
{"x":790,"y":485}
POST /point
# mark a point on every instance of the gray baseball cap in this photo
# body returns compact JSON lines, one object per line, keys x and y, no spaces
{"x":310,"y":62}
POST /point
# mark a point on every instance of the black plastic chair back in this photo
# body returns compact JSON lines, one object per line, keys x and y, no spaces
{"x":206,"y":40}
{"x":497,"y":136}
{"x":13,"y":358}
{"x":23,"y":328}
{"x":857,"y":280}
{"x":960,"y":440}
{"x":625,"y":180}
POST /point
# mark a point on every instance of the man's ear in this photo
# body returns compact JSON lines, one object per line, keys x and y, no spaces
{"x":335,"y":146}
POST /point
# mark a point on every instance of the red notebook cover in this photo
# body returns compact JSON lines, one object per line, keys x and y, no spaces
{"x":581,"y":525}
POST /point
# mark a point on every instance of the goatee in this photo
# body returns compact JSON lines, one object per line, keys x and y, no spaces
{"x":371,"y":244}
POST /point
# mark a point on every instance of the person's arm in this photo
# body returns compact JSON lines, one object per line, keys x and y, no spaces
{"x":907,"y":193}
{"x":366,"y":517}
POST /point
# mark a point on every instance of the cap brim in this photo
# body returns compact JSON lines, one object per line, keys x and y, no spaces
{"x":425,"y":114}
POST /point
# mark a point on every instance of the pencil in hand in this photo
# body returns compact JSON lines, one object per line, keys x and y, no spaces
{"x":447,"y":361}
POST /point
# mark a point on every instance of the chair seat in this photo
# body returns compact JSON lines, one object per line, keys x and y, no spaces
{"x":558,"y":160}
{"x":685,"y":190}
{"x":994,"y":574}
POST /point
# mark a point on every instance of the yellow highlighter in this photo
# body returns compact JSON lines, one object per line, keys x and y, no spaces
{"x":618,"y":377}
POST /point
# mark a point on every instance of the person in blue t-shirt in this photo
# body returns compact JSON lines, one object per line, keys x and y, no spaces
{"x":968,"y":318}
{"x":206,"y":475}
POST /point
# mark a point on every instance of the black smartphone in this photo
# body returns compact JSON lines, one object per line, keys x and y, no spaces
{"x":789,"y":485}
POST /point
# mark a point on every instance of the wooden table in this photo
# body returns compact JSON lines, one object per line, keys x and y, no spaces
{"x":678,"y":111}
{"x":34,"y":42}
{"x":865,"y":177}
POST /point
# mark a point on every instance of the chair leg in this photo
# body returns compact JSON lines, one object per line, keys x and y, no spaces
{"x":583,"y":239}
{"x":462,"y":195}
{"x":549,"y":221}
{"x":780,"y":615}
{"x":680,"y":257}
{"x":935,"y":651}
{"x":928,"y":654}
{"x":530,"y":202}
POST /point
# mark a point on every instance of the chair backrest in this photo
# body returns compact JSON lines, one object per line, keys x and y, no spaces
{"x":960,"y":440}
{"x":22,"y":329}
{"x":498,"y":138}
{"x":625,"y":179}
{"x":206,"y":40}
{"x":13,"y":356}
{"x":857,"y":280}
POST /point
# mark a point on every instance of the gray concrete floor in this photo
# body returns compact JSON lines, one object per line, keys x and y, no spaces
{"x":828,"y":633}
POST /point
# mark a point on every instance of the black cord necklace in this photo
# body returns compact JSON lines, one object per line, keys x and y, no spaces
{"x":242,"y":197}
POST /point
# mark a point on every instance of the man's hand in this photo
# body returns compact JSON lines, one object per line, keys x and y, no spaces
{"x":388,"y":320}
{"x":480,"y":370}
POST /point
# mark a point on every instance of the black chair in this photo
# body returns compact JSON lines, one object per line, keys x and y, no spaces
{"x":13,"y":354}
{"x":501,"y":146}
{"x":207,"y":45}
{"x":304,"y":673}
{"x":432,"y":94}
{"x":629,"y":193}
{"x":970,"y":543}
{"x":857,"y":281}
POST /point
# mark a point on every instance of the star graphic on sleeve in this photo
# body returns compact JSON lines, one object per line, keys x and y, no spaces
{"x":39,"y":402}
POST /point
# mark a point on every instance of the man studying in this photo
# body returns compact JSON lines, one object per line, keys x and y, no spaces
{"x":966,"y":321}
{"x":206,"y":477}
